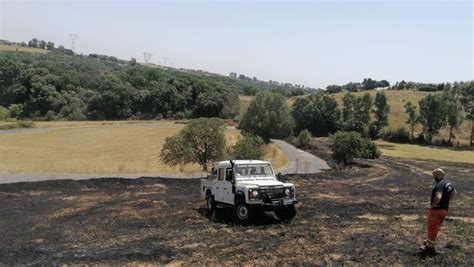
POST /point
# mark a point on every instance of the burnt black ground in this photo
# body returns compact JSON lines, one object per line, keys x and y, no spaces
{"x":362,"y":215}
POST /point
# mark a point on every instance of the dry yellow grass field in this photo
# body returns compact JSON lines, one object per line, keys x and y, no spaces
{"x":425,"y":152}
{"x":16,"y":48}
{"x":123,"y":147}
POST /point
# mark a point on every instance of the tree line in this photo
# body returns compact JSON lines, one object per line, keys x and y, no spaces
{"x":269,"y":116}
{"x":61,"y":86}
{"x":365,"y":85}
{"x":253,"y":85}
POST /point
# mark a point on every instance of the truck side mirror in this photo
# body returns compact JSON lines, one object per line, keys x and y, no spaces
{"x":279,"y":176}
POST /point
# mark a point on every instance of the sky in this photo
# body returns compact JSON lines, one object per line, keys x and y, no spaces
{"x":311,"y":43}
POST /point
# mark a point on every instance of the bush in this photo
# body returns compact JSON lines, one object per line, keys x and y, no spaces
{"x":305,"y":139}
{"x":17,"y":125}
{"x":15,"y":110}
{"x":4,"y":113}
{"x":249,"y":147}
{"x":370,"y":149}
{"x":25,"y":124}
{"x":349,"y":145}
{"x":396,"y":136}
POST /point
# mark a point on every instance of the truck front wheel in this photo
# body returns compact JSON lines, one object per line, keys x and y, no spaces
{"x":286,"y":214}
{"x":243,"y":212}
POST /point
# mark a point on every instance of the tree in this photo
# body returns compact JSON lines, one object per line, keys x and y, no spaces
{"x":267,"y":117}
{"x":201,"y":141}
{"x":248,"y":147}
{"x":348,"y":111}
{"x":368,"y":84}
{"x":50,"y":45}
{"x":133,"y":61}
{"x":362,"y":108}
{"x":332,"y":89}
{"x":413,"y":117}
{"x":467,"y":101}
{"x":453,"y":111}
{"x":432,"y":114}
{"x":33,"y":43}
{"x":317,"y":113}
{"x":42,"y":44}
{"x":349,"y":145}
{"x":231,"y":107}
{"x":382,"y":109}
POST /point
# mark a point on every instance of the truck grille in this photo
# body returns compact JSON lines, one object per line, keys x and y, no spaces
{"x":271,"y":193}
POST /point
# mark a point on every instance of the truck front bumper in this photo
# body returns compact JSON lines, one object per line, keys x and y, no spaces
{"x":275,"y":203}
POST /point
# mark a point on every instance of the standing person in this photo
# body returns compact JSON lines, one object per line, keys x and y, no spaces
{"x":442,"y":194}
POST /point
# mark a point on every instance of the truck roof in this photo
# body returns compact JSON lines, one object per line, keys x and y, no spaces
{"x":247,"y":161}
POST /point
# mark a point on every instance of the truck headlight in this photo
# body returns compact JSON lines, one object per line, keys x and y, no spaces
{"x":253,"y":193}
{"x":289,"y":192}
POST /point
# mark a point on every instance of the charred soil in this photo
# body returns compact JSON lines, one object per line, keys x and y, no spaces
{"x":373,"y":213}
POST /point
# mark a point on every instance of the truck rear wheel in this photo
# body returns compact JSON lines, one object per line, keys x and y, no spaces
{"x":243,"y":212}
{"x":286,"y":214}
{"x":210,"y":204}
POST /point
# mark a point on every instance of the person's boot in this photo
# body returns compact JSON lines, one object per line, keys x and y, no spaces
{"x":428,"y":252}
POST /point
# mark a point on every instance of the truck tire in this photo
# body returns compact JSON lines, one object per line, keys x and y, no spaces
{"x":286,"y":214}
{"x":210,"y":203}
{"x":243,"y":213}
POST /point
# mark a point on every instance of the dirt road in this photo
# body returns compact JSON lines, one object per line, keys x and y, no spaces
{"x":300,"y":161}
{"x":374,"y":214}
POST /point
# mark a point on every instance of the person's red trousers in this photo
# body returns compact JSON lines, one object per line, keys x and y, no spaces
{"x":435,"y":219}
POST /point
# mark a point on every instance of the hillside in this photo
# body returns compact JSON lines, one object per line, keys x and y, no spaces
{"x":60,"y":85}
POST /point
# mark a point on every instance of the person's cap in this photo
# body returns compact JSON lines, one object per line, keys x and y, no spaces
{"x":438,"y":173}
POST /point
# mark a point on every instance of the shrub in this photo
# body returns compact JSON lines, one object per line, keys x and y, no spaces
{"x":305,"y":139}
{"x":15,"y":110}
{"x":396,"y":136}
{"x":17,"y":125}
{"x":370,"y":149}
{"x":25,"y":124}
{"x":249,"y":147}
{"x":4,"y":113}
{"x":349,"y":145}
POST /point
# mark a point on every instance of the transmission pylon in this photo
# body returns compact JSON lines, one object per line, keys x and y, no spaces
{"x":73,"y":41}
{"x":147,"y":57}
{"x":165,"y":59}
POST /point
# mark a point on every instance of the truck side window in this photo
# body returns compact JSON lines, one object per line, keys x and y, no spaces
{"x":221,"y":175}
{"x":214,"y":174}
{"x":228,"y":175}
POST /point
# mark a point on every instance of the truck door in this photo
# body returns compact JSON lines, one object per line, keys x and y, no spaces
{"x":227,"y":186}
{"x":219,"y":193}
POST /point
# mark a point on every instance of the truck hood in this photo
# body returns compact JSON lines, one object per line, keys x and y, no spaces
{"x":263,"y":183}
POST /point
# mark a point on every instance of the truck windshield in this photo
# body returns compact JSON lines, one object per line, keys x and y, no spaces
{"x":250,"y":170}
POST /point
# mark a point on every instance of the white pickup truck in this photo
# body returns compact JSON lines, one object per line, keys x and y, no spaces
{"x":249,"y":186}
